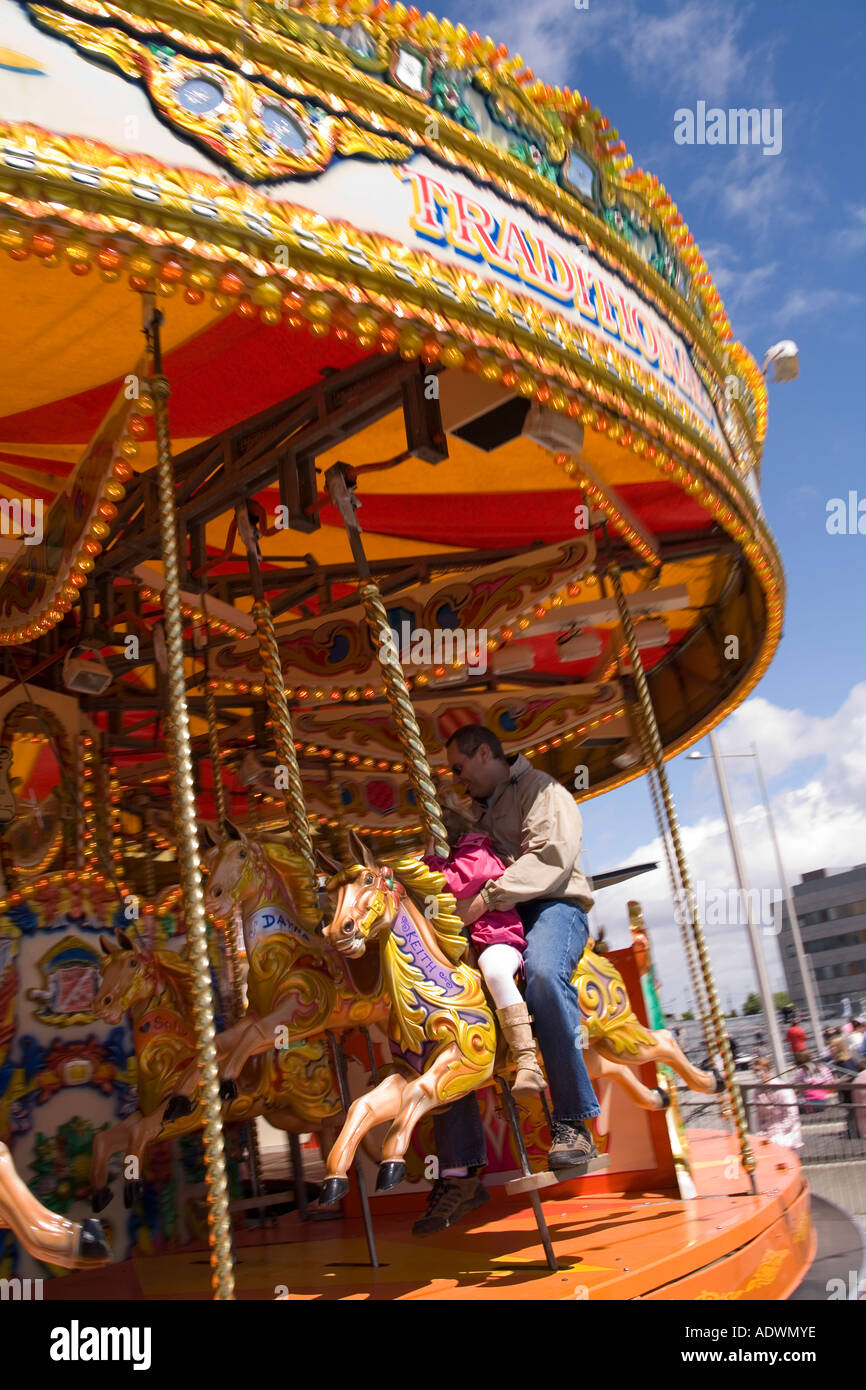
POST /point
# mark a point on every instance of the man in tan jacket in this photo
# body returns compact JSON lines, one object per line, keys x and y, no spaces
{"x":533,"y":821}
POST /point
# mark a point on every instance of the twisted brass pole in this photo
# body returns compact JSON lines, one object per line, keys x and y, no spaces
{"x":676,"y":887}
{"x":219,"y":1228}
{"x":652,"y":730}
{"x":408,"y":730}
{"x":230,"y":933}
{"x":284,"y":738}
{"x":341,"y":830}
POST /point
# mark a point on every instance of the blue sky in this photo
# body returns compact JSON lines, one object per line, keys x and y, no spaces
{"x":785,"y":238}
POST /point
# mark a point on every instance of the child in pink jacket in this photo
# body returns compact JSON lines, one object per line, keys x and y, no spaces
{"x":497,"y":936}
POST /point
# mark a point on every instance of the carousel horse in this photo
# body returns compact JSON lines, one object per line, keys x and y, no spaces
{"x":45,"y":1235}
{"x":292,"y":1087}
{"x":442,"y":1028}
{"x":298,"y":987}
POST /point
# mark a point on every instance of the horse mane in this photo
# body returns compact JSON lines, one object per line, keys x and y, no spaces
{"x":293,"y":871}
{"x":421,"y":884}
{"x":180,"y":975}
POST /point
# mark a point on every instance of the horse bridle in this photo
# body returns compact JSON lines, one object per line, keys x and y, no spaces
{"x":387,"y":886}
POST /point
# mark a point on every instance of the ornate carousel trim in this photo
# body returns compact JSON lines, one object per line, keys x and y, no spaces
{"x":621,"y":209}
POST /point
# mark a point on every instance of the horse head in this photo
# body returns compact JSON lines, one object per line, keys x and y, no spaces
{"x":126,"y":979}
{"x":247,"y":870}
{"x":368,"y":898}
{"x":235,"y":867}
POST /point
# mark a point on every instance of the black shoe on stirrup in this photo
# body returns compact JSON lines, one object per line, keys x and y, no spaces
{"x":450,"y":1200}
{"x":572,"y":1146}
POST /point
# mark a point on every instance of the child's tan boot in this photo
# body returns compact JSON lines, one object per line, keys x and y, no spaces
{"x":515,"y":1025}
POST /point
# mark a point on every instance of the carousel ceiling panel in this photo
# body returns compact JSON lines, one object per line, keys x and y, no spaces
{"x":522,"y":719}
{"x":70,"y":337}
{"x":450,"y":621}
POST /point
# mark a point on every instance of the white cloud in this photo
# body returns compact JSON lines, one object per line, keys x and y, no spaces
{"x":689,"y":50}
{"x":804,"y":303}
{"x":820,"y":823}
{"x":851,"y":239}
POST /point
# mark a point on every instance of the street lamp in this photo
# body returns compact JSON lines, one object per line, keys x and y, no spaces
{"x":754,"y":940}
{"x":805,"y":972}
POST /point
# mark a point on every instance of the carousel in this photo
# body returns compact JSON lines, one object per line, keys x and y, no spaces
{"x":358,"y":389}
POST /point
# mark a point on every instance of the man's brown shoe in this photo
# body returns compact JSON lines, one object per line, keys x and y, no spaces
{"x":450,"y":1200}
{"x":572,"y":1147}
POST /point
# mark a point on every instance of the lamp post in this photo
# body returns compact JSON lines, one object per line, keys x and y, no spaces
{"x":754,"y":939}
{"x":806,"y":974}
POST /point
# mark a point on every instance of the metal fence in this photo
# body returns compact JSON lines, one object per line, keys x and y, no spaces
{"x":828,"y":1136}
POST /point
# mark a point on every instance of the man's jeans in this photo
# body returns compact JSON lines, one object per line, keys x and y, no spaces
{"x":556,"y":937}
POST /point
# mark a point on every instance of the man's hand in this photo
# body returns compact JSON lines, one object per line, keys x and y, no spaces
{"x":470,"y":909}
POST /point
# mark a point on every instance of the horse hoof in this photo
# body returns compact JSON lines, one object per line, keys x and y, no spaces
{"x":131,"y":1193}
{"x":99,"y":1201}
{"x":177,"y":1109}
{"x":391,"y":1174}
{"x":92,"y":1244}
{"x":664,"y":1098}
{"x":228,"y":1090}
{"x":333,"y":1190}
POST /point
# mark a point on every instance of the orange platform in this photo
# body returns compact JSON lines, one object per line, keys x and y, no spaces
{"x":723,"y":1245}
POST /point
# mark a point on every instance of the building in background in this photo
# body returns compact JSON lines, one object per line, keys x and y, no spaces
{"x":831,"y":910}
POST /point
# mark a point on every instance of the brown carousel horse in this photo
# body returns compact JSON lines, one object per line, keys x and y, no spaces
{"x":442,"y":1030}
{"x":292,"y":1089}
{"x":274,"y":1060}
{"x":298,"y":986}
{"x":43,"y":1234}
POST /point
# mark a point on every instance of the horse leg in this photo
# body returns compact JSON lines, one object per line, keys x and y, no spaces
{"x":382,"y":1103}
{"x":44,"y":1234}
{"x":623,"y":1076}
{"x":419,"y":1097}
{"x":106,"y":1144}
{"x":667,"y":1052}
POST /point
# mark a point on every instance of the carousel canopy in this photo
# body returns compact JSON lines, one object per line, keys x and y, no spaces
{"x":379,"y":240}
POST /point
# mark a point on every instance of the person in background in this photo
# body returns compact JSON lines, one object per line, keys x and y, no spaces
{"x":775,"y":1109}
{"x":857,"y":1040}
{"x":843,"y":1060}
{"x":817,"y":1080}
{"x":858,"y":1095}
{"x":796,"y":1036}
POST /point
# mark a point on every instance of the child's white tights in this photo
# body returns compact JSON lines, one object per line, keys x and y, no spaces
{"x":498,"y":965}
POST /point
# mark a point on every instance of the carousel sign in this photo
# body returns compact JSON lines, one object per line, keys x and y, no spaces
{"x":418,"y":201}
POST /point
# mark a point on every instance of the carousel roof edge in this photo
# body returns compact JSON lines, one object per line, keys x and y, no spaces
{"x":548,"y":128}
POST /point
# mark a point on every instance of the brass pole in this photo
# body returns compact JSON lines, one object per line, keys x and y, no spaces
{"x":284,"y":738}
{"x":219,"y":1227}
{"x":341,"y":831}
{"x":339,"y":479}
{"x":746,"y":1156}
{"x":278,"y":705}
{"x":408,"y":729}
{"x":230,"y":934}
{"x":678,"y":892}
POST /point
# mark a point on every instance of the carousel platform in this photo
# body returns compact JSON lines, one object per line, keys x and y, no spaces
{"x":724,"y":1245}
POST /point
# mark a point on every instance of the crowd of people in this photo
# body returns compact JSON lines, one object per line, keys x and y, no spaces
{"x":838,"y":1076}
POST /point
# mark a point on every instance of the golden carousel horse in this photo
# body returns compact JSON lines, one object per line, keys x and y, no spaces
{"x":292,"y":1087}
{"x":43,"y":1234}
{"x":298,"y":986}
{"x":274,"y":1060}
{"x":442,"y":1029}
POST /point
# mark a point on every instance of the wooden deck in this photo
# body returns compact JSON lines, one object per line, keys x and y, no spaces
{"x":726,"y":1244}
